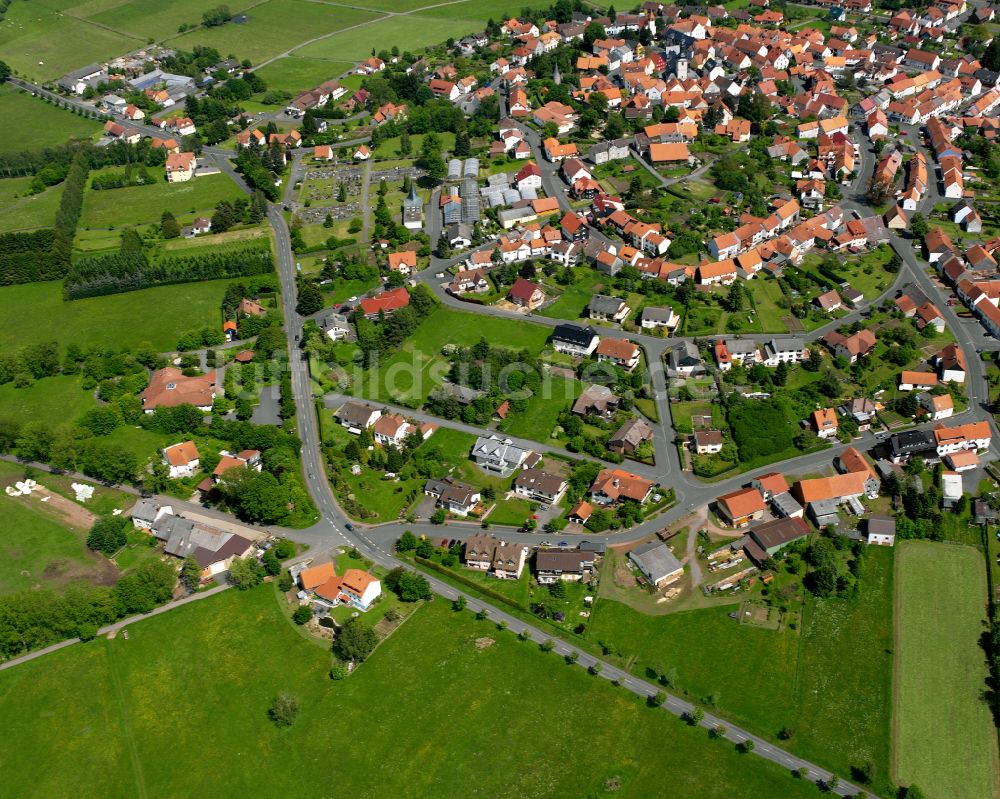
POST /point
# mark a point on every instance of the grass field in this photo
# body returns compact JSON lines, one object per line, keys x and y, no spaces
{"x":843,"y":684}
{"x":40,"y":41}
{"x":410,"y":32}
{"x":418,"y":367}
{"x":144,"y":205}
{"x":113,"y":700}
{"x":54,"y":400}
{"x":574,"y":298}
{"x":277,"y":26}
{"x":22,"y":211}
{"x":539,"y":418}
{"x":37,"y":550}
{"x":827,"y":680}
{"x":30,"y":123}
{"x":139,"y":18}
{"x":37,"y":312}
{"x":943,"y":734}
{"x":713,"y":657}
{"x":293,"y":74}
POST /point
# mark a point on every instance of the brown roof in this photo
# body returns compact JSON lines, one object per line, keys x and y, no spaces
{"x":619,"y":484}
{"x":169,"y":387}
{"x":744,"y":502}
{"x":619,"y":349}
{"x":316,"y":575}
{"x":181,"y":454}
{"x":541,"y":481}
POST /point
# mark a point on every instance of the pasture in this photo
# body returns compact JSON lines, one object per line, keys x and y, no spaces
{"x":144,"y":205}
{"x":37,"y":312}
{"x":22,"y":211}
{"x":293,"y":74}
{"x":943,"y":735}
{"x":40,"y":41}
{"x":409,"y":32}
{"x":30,"y":123}
{"x":275,"y":27}
{"x":112,"y":701}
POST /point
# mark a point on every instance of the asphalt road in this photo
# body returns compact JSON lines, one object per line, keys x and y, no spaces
{"x":334,"y":529}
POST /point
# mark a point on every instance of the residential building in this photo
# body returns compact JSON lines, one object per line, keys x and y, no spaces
{"x":540,"y":486}
{"x":575,"y":340}
{"x":181,"y":459}
{"x":881,"y":531}
{"x":629,"y":437}
{"x":621,"y":352}
{"x":739,"y":508}
{"x":569,"y":565}
{"x":170,"y":387}
{"x":612,"y":485}
{"x":357,"y":416}
{"x":499,"y":455}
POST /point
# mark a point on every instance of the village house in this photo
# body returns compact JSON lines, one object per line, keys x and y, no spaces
{"x":357,"y":416}
{"x":739,"y":508}
{"x":181,"y":459}
{"x":603,"y":308}
{"x":612,"y":485}
{"x":574,"y":340}
{"x":539,"y":486}
{"x":170,"y":387}
{"x":620,"y":352}
{"x":568,"y":565}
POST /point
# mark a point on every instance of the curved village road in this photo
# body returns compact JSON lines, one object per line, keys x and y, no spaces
{"x":376,"y":541}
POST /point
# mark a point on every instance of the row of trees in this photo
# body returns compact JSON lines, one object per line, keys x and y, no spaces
{"x":33,"y":619}
{"x":130,"y":270}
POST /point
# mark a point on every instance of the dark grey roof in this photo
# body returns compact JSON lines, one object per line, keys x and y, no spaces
{"x":602,"y":303}
{"x":574,"y":334}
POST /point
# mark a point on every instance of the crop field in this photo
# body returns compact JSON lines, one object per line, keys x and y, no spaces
{"x":944,"y":738}
{"x":144,"y":205}
{"x":157,"y":315}
{"x":275,"y":27}
{"x":22,"y":211}
{"x":38,"y":40}
{"x":293,"y":74}
{"x":112,"y":701}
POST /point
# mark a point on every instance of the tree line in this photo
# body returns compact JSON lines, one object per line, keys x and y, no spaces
{"x":31,"y":620}
{"x":129,"y":270}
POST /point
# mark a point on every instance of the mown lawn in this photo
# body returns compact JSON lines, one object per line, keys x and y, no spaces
{"x":112,"y":701}
{"x":410,"y":374}
{"x":575,"y":298}
{"x":944,"y":738}
{"x":31,"y":123}
{"x":37,"y":312}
